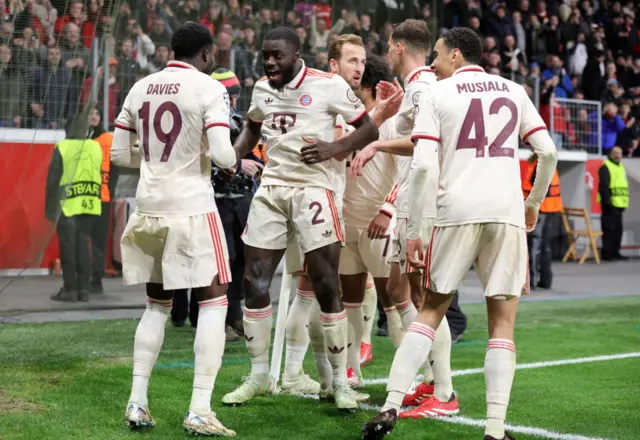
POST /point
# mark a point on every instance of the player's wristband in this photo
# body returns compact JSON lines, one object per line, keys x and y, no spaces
{"x":387,"y":213}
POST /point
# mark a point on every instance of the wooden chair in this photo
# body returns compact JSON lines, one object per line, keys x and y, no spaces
{"x":574,"y":234}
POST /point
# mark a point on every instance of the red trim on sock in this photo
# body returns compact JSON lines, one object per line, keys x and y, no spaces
{"x":422,"y":329}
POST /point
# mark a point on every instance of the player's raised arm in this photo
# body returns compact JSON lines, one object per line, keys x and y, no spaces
{"x":534,"y":132}
{"x":216,"y":122}
{"x":124,"y":151}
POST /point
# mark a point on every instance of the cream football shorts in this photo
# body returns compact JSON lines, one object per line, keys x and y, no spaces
{"x":498,"y":250}
{"x":177,"y":252}
{"x":280,"y":213}
{"x":399,"y":254}
{"x":362,"y":254}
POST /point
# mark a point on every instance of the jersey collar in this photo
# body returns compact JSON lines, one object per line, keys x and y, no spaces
{"x":297,"y":80}
{"x":180,"y":65}
{"x":473,"y":68}
{"x":415,"y":73}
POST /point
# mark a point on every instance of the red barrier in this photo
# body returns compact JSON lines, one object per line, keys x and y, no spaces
{"x":27,"y":239}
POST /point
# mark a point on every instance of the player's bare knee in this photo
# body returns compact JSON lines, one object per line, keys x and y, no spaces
{"x":304,"y":283}
{"x":256,"y":282}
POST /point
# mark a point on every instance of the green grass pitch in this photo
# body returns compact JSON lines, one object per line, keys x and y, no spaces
{"x":72,"y":381}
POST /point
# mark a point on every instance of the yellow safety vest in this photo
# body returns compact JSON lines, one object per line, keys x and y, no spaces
{"x":618,"y":184}
{"x":81,"y":177}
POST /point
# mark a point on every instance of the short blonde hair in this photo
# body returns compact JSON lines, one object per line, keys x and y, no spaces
{"x":335,"y":49}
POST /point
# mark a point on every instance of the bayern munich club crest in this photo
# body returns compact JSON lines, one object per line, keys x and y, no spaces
{"x":305,"y":100}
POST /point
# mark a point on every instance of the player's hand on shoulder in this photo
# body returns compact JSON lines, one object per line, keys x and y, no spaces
{"x":530,"y":218}
{"x":360,"y":160}
{"x":388,"y":98}
{"x":251,"y":167}
{"x":318,"y":151}
{"x":378,"y":226}
{"x":415,"y":256}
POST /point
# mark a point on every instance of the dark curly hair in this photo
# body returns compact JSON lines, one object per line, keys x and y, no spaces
{"x":190,"y":39}
{"x":466,"y":41}
{"x":377,"y":69}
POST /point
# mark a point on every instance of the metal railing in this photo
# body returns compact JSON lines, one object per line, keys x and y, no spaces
{"x":576,"y":124}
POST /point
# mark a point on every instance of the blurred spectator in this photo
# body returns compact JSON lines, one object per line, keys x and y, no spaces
{"x":322,"y":60}
{"x":612,"y":124}
{"x":28,"y":52}
{"x":52,"y":98}
{"x":564,"y":87}
{"x":512,"y":57}
{"x":143,"y":47}
{"x":578,"y":57}
{"x":213,"y":17}
{"x":114,"y":90}
{"x":76,"y":15}
{"x":127,"y":67}
{"x":628,"y":138}
{"x":160,"y":59}
{"x":12,"y":90}
{"x":188,"y":12}
{"x":323,"y":12}
{"x":499,"y":26}
{"x":232,"y":58}
{"x":594,"y":77}
{"x":614,"y":92}
{"x":159,"y":33}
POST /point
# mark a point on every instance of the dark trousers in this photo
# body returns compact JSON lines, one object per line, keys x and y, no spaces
{"x":539,"y":243}
{"x":456,"y":318}
{"x":233,"y":214}
{"x":99,"y":236}
{"x":75,"y":256}
{"x":611,"y":222}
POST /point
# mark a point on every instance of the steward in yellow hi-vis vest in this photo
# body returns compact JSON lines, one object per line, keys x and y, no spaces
{"x":613,"y":196}
{"x":73,"y":200}
{"x":548,"y":226}
{"x":81,"y":180}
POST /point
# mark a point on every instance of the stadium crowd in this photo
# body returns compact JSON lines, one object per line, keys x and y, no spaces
{"x":567,"y":49}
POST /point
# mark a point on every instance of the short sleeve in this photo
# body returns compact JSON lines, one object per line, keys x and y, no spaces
{"x":216,"y":106}
{"x":254,"y":113}
{"x":343,"y":101}
{"x":407,"y":112}
{"x":427,"y":123}
{"x":531,"y":120}
{"x":125,"y":120}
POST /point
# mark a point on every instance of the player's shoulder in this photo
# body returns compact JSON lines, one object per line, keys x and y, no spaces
{"x":316,"y":75}
{"x":262,"y":85}
{"x":425,"y":76}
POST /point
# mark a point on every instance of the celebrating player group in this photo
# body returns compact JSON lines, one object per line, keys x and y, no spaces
{"x":426,"y":174}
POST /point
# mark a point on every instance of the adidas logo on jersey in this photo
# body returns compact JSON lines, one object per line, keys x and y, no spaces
{"x":336,"y":350}
{"x":268,"y":101}
{"x":327,"y":234}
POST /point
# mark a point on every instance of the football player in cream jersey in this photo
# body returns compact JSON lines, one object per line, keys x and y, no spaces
{"x":292,"y":109}
{"x":409,"y":45}
{"x":174,"y":240}
{"x":468,"y":127}
{"x":369,"y":223}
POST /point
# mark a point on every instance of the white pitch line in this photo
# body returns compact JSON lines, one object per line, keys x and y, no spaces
{"x":584,"y":360}
{"x":536,"y":432}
